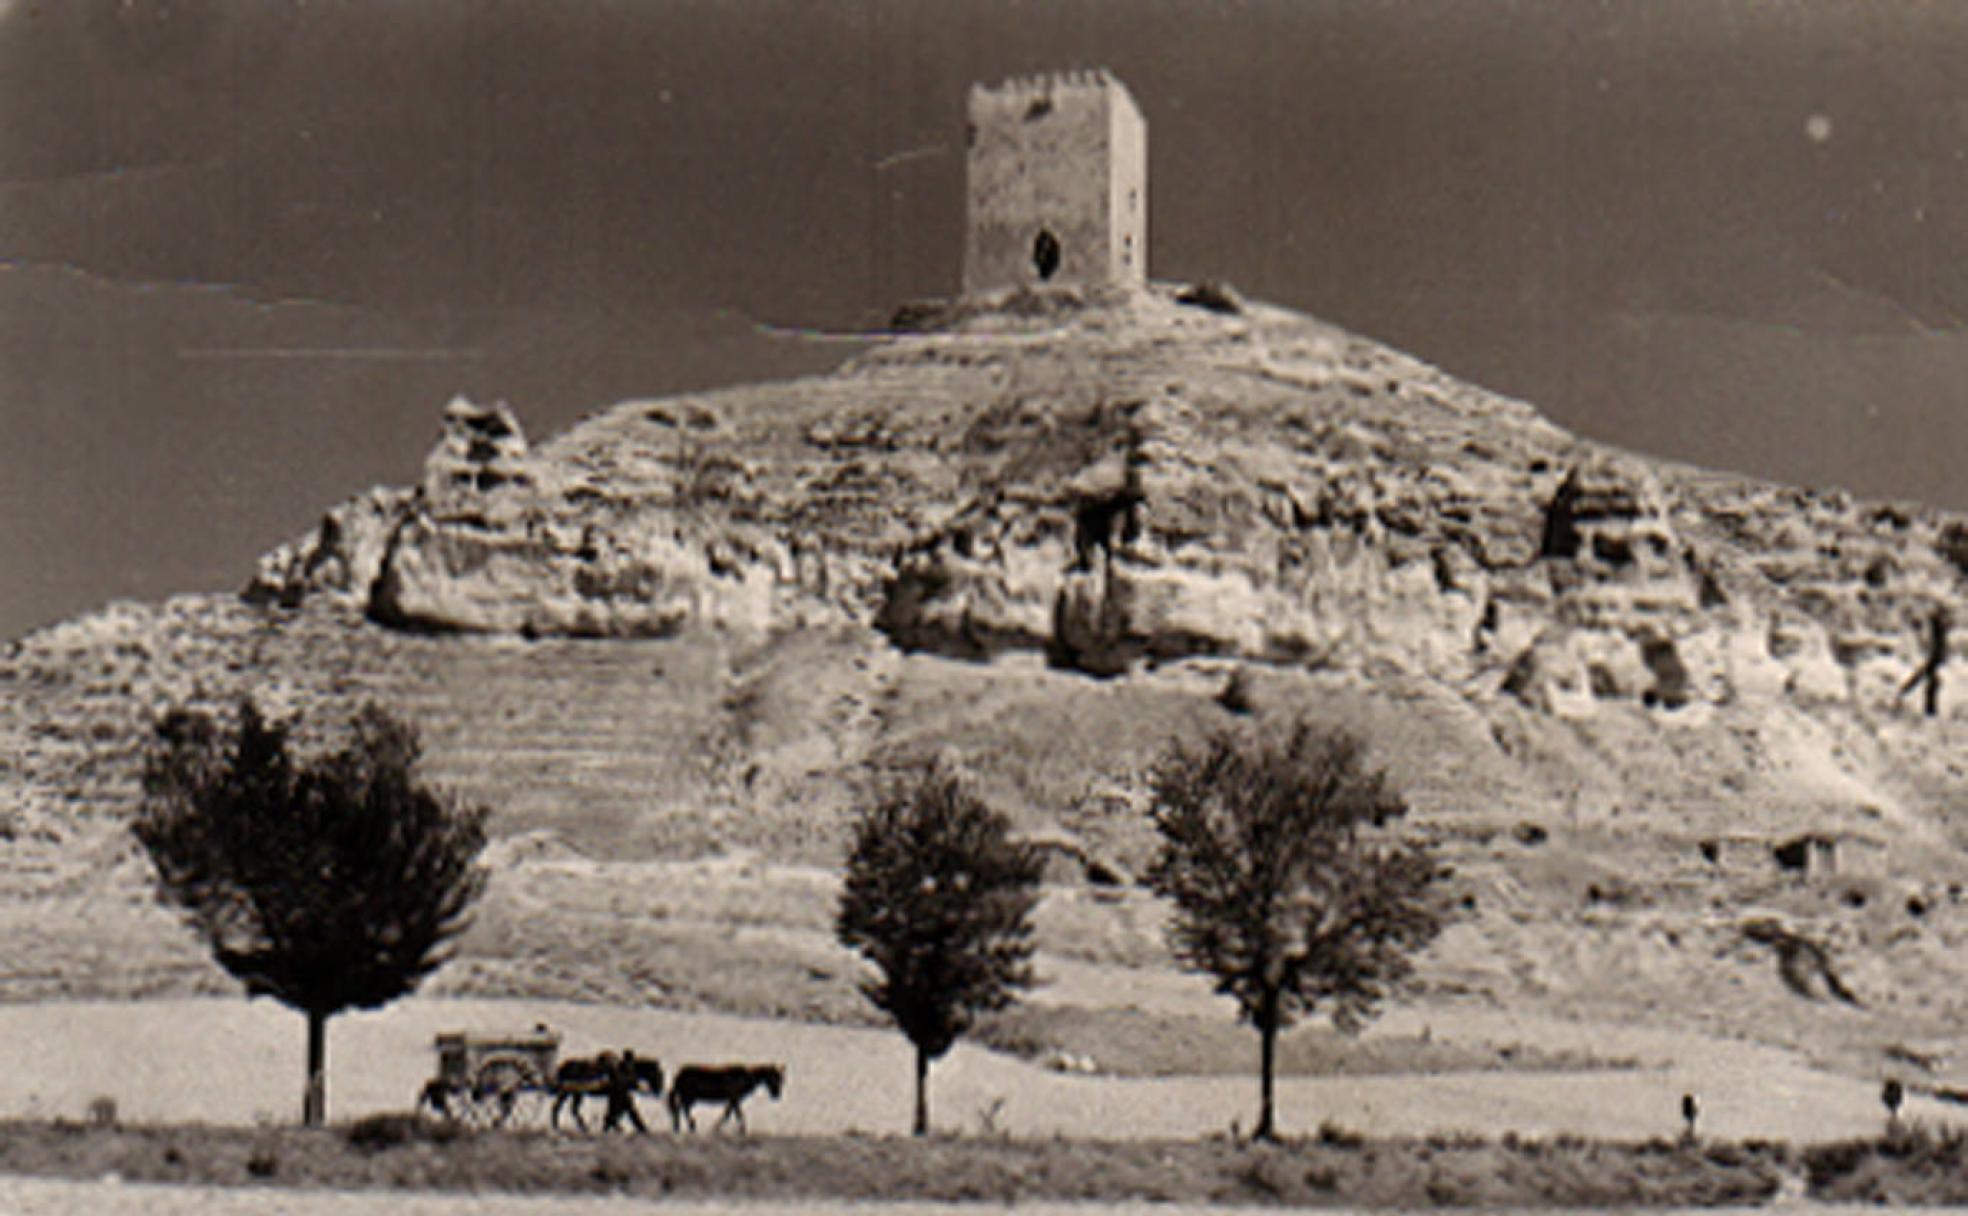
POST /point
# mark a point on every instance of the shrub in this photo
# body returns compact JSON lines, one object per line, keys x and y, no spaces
{"x":1332,"y":1135}
{"x":393,"y":1129}
{"x":1730,"y":1155}
{"x":1827,"y":1163}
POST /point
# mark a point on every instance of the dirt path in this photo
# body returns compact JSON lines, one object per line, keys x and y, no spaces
{"x":234,"y":1062}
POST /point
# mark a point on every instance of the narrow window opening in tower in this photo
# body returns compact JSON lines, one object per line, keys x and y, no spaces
{"x":1127,"y":250}
{"x":1045,"y":254}
{"x":1134,"y":199}
{"x":1040,"y":107}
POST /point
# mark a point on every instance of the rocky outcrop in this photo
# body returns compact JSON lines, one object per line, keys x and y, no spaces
{"x":1134,"y":481}
{"x":480,"y":473}
{"x":339,"y":560}
{"x":1612,"y":552}
{"x":487,"y":545}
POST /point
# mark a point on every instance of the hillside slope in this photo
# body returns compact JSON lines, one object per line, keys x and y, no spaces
{"x":1046,"y":538}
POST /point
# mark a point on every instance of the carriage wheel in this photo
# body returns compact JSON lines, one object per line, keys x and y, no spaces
{"x":497,"y":1090}
{"x":530,"y":1106}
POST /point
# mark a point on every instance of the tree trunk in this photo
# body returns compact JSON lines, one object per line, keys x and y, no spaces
{"x":922,"y":1092}
{"x":1267,"y":1038}
{"x":314,"y":1106}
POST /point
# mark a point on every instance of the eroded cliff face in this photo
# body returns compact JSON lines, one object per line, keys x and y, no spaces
{"x":1134,"y":481}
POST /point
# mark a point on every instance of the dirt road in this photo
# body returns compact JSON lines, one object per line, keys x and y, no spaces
{"x":234,"y":1062}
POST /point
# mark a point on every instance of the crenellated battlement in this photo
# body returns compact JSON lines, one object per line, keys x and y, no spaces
{"x":1053,"y":81}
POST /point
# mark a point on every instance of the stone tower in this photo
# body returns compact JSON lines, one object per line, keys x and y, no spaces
{"x":1057,"y":184}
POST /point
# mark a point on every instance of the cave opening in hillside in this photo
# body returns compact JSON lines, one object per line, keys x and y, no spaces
{"x":1045,"y":254}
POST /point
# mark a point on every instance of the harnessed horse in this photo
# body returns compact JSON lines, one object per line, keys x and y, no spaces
{"x":591,"y":1076}
{"x":730,"y":1084}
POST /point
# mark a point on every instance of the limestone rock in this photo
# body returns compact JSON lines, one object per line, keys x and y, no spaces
{"x":339,"y":560}
{"x":479,"y":471}
{"x":1615,"y":556}
{"x":1123,"y":481}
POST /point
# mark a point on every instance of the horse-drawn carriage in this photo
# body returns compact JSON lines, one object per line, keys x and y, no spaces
{"x":493,"y":1080}
{"x":519,"y":1079}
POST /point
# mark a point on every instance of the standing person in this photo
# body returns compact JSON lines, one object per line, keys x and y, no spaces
{"x":621,"y":1094}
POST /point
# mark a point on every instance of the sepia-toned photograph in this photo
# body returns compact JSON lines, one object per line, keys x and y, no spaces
{"x":937,"y":606}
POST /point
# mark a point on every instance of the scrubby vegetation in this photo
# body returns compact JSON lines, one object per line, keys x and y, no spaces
{"x":396,"y":1153}
{"x":1913,"y":1165}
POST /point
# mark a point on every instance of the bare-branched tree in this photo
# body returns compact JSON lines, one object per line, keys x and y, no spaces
{"x":939,"y":898}
{"x":1287,"y":886}
{"x":328,"y":885}
{"x":1929,"y":671}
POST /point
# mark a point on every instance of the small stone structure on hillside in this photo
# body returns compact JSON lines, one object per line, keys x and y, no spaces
{"x":1057,"y":175}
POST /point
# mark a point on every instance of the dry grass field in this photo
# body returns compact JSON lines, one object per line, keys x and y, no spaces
{"x":1337,"y":1169}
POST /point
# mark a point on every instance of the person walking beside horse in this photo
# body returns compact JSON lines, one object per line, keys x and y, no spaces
{"x":595,"y":1077}
{"x":622,"y":1081}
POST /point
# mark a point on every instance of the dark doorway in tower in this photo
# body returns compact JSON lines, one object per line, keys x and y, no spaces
{"x":1045,"y":254}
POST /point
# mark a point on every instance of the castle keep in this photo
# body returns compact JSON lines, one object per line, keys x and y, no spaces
{"x":1057,"y":184}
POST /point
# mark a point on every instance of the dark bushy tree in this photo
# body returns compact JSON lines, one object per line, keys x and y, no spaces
{"x":1287,"y":887}
{"x":939,"y":898}
{"x":328,"y":885}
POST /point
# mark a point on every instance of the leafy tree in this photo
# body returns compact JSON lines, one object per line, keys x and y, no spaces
{"x":939,"y":898}
{"x":1286,"y":887}
{"x":328,"y":885}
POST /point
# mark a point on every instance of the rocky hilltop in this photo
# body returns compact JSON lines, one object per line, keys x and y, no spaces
{"x":1130,"y":481}
{"x":1657,"y":717}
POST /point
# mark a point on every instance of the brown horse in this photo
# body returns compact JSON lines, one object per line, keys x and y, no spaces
{"x":730,"y":1084}
{"x":589,"y":1077}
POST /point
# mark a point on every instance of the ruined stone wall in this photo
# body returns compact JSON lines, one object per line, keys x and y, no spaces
{"x":1060,"y":156}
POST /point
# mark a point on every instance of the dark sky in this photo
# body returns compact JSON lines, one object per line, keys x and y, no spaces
{"x":251,"y":248}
